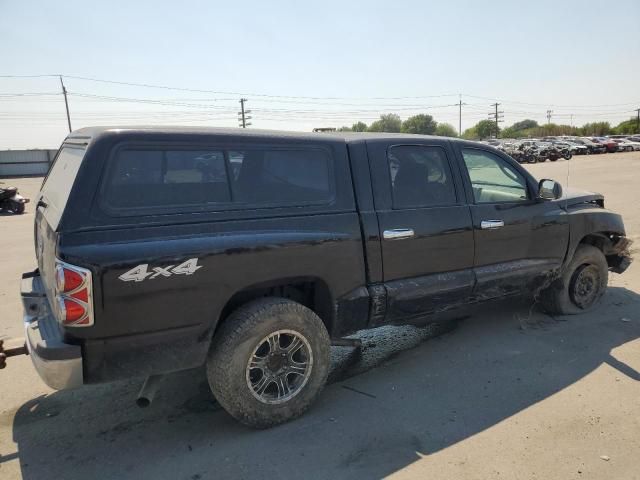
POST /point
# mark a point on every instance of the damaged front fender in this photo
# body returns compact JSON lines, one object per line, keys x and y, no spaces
{"x":619,"y":253}
{"x":602,"y":229}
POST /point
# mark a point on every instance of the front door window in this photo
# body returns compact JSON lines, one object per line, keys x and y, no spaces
{"x":493,"y":180}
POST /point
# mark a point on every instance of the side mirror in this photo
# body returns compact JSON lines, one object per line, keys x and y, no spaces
{"x":549,"y":189}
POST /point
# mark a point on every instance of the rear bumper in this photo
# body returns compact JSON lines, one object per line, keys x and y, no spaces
{"x":59,"y":364}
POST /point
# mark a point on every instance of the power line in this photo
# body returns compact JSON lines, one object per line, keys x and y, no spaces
{"x":384,"y":108}
{"x":551,"y":105}
{"x":166,"y":87}
{"x":28,"y":94}
{"x":204,"y":109}
{"x":31,"y":76}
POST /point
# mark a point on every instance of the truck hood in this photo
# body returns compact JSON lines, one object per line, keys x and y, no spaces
{"x":574,"y":196}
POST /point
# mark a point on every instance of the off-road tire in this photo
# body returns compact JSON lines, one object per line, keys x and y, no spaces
{"x":560,"y":297}
{"x":233,"y":345}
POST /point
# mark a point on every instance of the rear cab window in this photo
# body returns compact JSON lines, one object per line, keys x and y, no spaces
{"x":420,"y":177}
{"x":58,"y":183}
{"x":149,"y":180}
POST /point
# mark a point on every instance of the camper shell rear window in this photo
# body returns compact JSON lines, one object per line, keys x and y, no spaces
{"x":146,"y":180}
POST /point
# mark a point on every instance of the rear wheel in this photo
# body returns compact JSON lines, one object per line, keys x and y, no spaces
{"x":581,"y":285}
{"x":269,"y":361}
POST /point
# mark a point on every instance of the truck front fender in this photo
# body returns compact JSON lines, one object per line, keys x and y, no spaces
{"x":601,"y":228}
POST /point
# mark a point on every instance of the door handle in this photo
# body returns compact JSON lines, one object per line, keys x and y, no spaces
{"x":398,"y":233}
{"x":491,"y":224}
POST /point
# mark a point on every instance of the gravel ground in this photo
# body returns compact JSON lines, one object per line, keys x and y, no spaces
{"x":508,"y":393}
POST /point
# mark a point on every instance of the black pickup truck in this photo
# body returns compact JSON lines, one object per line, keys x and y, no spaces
{"x":251,"y":252}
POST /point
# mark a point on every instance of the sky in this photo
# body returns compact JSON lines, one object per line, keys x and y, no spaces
{"x":303,"y":65}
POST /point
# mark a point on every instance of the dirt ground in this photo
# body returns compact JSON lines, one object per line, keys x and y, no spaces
{"x":509,"y":393}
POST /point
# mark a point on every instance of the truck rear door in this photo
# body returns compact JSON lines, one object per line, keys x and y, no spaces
{"x":425,"y":225}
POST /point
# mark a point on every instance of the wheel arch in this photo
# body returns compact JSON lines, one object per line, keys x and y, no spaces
{"x":312,"y":292}
{"x":611,"y":244}
{"x":594,"y":225}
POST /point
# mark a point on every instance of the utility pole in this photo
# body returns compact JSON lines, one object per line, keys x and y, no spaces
{"x":638,"y":120}
{"x":460,"y":116}
{"x":244,"y":114}
{"x":66,"y":103}
{"x":497,"y":116}
{"x":549,"y":113}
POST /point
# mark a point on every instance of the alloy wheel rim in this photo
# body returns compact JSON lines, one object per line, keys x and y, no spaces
{"x":279,"y":367}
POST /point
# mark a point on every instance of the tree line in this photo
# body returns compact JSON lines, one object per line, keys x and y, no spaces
{"x":422,"y":124}
{"x":530,"y":128}
{"x":425,"y":125}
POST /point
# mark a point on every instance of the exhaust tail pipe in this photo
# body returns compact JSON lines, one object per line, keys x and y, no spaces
{"x":148,"y":390}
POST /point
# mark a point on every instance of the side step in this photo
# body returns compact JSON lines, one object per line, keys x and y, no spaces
{"x":346,"y":342}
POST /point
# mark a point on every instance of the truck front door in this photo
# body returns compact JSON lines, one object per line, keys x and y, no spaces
{"x":518,"y":238}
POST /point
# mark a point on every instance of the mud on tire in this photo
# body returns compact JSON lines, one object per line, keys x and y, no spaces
{"x":581,"y":285}
{"x":263,"y":334}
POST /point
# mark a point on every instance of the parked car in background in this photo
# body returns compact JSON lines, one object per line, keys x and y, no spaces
{"x":593,"y":147}
{"x":574,"y":148}
{"x":625,"y":145}
{"x":608,"y":143}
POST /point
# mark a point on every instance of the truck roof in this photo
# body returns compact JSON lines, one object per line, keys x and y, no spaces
{"x":87,"y":134}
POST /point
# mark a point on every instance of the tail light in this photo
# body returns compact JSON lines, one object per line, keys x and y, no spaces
{"x":74,"y":295}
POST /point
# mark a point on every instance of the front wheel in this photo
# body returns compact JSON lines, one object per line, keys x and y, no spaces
{"x":269,"y":361}
{"x":581,"y":285}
